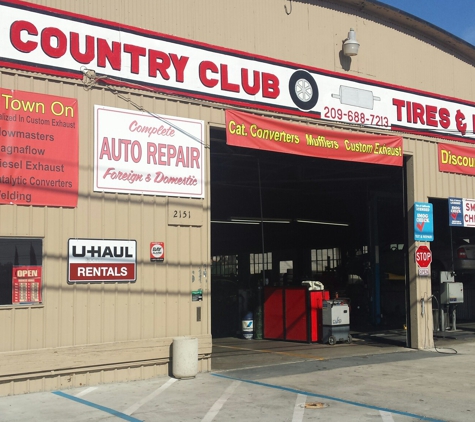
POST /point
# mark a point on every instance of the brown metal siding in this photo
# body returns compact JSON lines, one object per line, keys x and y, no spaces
{"x":429,"y":181}
{"x":157,"y":306}
{"x":108,"y":324}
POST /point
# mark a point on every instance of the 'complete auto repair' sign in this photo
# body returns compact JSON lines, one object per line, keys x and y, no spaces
{"x":143,"y":153}
{"x":95,"y":260}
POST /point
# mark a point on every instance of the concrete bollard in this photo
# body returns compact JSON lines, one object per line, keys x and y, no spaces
{"x":185,"y":357}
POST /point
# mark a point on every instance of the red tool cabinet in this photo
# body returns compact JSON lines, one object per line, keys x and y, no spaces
{"x":293,"y":313}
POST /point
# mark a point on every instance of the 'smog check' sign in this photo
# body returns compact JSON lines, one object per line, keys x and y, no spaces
{"x":462,"y":212}
{"x":423,"y":222}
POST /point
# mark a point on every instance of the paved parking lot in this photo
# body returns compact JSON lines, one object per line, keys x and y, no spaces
{"x":205,"y":398}
{"x":281,"y":382}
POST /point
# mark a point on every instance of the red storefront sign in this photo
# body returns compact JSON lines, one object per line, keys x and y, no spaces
{"x":60,"y":43}
{"x":251,"y":131}
{"x":26,"y":284}
{"x":456,"y":159}
{"x":39,"y":149}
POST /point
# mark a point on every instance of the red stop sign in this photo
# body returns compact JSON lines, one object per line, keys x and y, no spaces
{"x":423,"y":256}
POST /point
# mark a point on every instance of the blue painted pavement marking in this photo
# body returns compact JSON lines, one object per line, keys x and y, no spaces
{"x":353,"y":403}
{"x":98,"y":406}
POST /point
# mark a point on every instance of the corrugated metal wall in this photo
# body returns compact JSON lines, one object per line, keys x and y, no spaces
{"x":157,"y":306}
{"x":135,"y":322}
{"x":429,"y":181}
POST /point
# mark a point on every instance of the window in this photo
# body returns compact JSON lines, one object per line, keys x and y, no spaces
{"x":256,"y":262}
{"x":325,"y":260}
{"x":20,"y":270}
{"x":224,"y":265}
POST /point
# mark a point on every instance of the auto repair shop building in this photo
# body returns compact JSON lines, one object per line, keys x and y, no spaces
{"x":140,"y":142}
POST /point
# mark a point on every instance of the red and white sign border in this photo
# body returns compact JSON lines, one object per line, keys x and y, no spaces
{"x":219,"y":74}
{"x":108,"y":263}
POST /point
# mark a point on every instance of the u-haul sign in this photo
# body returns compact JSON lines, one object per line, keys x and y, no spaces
{"x":97,"y":260}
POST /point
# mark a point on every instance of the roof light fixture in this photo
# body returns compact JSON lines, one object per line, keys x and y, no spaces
{"x":350,"y":45}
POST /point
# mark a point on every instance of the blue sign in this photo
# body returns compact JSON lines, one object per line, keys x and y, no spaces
{"x":456,"y":212}
{"x":423,"y":222}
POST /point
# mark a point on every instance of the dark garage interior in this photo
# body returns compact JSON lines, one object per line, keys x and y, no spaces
{"x":308,"y":219}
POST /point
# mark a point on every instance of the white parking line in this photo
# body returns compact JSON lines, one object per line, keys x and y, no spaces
{"x":220,"y":402}
{"x":387,"y":417}
{"x":299,"y":408}
{"x":86,"y":391}
{"x":386,"y":414}
{"x":140,"y":403}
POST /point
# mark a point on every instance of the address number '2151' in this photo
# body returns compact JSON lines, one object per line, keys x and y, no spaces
{"x":181,"y":214}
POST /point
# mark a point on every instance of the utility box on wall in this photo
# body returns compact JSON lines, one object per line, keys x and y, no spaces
{"x":451,"y":293}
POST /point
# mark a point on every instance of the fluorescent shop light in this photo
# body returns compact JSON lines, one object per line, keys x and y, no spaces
{"x":255,"y":221}
{"x":326,"y":223}
{"x":234,"y":222}
{"x":265,"y":220}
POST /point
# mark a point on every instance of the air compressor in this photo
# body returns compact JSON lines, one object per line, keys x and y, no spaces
{"x":336,"y":321}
